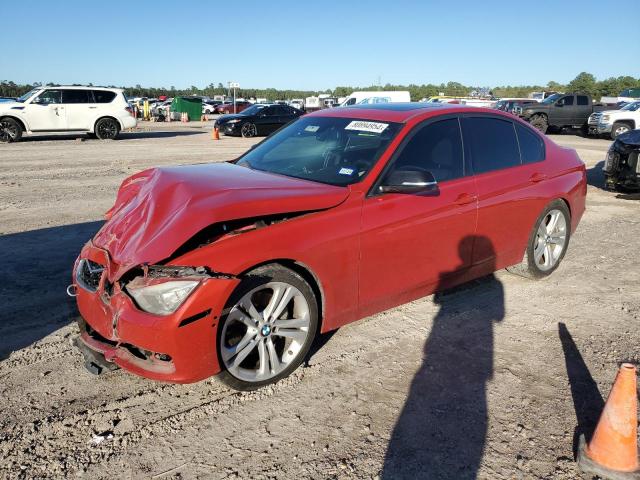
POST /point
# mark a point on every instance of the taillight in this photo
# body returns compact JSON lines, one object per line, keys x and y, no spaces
{"x":130,"y":110}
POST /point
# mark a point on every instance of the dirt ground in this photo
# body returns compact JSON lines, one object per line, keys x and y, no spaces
{"x":493,"y":380}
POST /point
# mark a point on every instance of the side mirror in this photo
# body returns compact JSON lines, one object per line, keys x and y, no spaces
{"x":409,"y":181}
{"x":560,"y":104}
{"x":39,"y":101}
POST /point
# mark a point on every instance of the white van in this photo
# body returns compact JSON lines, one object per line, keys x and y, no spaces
{"x":103,"y":112}
{"x":376,"y":97}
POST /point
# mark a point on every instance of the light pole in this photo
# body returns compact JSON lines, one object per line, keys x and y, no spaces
{"x":234,"y":85}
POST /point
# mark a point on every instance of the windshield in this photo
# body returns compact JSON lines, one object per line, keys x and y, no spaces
{"x":28,"y":95}
{"x":337,"y":151}
{"x":631,"y":107}
{"x":253,"y":109}
{"x":552,"y":98}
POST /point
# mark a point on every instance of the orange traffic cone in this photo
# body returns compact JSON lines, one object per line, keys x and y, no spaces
{"x":613,"y":450}
{"x":215,"y":133}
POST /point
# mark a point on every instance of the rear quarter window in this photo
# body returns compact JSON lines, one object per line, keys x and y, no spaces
{"x":491,"y":143}
{"x":103,"y":96}
{"x":531,"y":145}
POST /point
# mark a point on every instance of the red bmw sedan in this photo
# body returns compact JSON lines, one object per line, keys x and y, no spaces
{"x":234,"y":268}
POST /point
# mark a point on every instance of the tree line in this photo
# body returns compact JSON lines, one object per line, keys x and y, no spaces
{"x":583,"y":83}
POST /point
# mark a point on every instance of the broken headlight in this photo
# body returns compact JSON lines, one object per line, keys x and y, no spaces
{"x":163,"y":297}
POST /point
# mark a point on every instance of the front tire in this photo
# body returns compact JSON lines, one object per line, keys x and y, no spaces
{"x":267,"y":328}
{"x":10,"y":130}
{"x":248,"y":130}
{"x":547,"y":243}
{"x":618,"y":129}
{"x":540,"y":123}
{"x":107,"y":129}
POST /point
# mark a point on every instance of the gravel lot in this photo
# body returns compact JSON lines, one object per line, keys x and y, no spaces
{"x":494,"y":379}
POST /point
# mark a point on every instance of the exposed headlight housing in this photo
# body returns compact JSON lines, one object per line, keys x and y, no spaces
{"x":235,"y":120}
{"x":162,"y":298}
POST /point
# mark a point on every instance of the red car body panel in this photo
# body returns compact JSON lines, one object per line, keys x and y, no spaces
{"x":360,"y":249}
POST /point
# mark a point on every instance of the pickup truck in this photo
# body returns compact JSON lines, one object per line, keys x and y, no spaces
{"x":561,"y":110}
{"x":615,"y":122}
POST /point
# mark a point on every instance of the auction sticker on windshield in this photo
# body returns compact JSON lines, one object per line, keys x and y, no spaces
{"x":311,"y":128}
{"x":363,"y":126}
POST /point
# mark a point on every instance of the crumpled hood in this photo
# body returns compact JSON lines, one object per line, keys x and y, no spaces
{"x":159,"y":209}
{"x":631,"y":139}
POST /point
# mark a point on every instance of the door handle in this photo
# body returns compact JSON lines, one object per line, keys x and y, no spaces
{"x":465,"y":199}
{"x":93,"y":107}
{"x":537,"y":177}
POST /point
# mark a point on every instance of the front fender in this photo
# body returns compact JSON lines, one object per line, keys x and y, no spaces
{"x":326,"y":243}
{"x":16,"y":116}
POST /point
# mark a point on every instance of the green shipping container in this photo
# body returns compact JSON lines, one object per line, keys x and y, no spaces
{"x":189,"y":105}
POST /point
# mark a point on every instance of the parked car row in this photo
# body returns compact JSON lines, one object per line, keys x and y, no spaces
{"x":510,"y":104}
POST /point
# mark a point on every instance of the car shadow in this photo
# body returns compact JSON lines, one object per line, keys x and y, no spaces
{"x":37,"y":269}
{"x":595,"y":175}
{"x":441,"y":430}
{"x":123,"y":136}
{"x":318,"y":344}
{"x":160,"y":134}
{"x":587,"y":401}
{"x":629,"y":196}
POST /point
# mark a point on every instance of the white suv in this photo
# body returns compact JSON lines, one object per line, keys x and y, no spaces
{"x":103,"y":112}
{"x":615,"y":122}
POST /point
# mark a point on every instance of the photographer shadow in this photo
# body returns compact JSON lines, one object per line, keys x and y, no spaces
{"x":441,"y":431}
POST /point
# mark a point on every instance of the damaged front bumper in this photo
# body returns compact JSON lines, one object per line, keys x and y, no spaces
{"x":179,"y":347}
{"x":622,"y":168}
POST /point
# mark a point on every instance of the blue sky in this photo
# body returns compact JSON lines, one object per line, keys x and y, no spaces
{"x":318,"y":45}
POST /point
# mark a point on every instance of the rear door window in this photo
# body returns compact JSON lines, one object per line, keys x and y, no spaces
{"x":567,"y":100}
{"x":583,"y":100}
{"x":437,"y":148}
{"x":75,"y":96}
{"x":102,"y":96}
{"x":491,"y":143}
{"x":531,"y":145}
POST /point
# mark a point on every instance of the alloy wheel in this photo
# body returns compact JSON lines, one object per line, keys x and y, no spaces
{"x":8,"y":131}
{"x":265,"y":332}
{"x":248,"y":130}
{"x":550,"y":240}
{"x":107,"y":129}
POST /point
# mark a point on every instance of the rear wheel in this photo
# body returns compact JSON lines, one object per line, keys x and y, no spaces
{"x":249,"y":130}
{"x":548,"y":242}
{"x":107,"y":129}
{"x":10,"y":130}
{"x":618,"y":129}
{"x":540,"y":123}
{"x":267,"y":328}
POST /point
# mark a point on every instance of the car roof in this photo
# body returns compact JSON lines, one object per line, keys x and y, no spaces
{"x":395,"y":112}
{"x":81,"y":87}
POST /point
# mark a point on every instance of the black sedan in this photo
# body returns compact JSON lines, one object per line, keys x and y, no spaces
{"x":257,"y":120}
